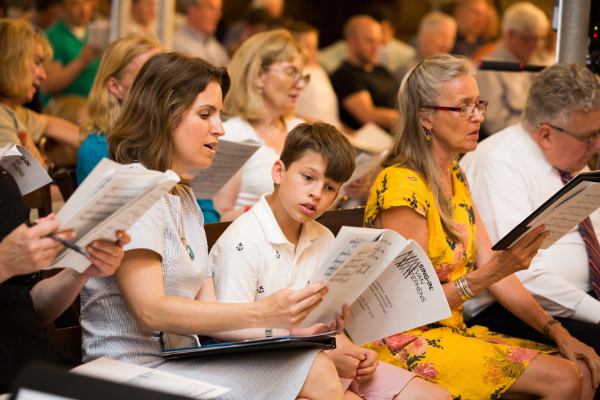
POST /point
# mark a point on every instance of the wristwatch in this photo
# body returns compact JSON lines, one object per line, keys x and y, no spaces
{"x":549,"y":325}
{"x":268,"y":332}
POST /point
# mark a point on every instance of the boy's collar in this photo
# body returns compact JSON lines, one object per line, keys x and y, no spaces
{"x":271,"y":227}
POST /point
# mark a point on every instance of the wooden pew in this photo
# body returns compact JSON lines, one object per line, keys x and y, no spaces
{"x":40,"y":199}
{"x":69,"y":339}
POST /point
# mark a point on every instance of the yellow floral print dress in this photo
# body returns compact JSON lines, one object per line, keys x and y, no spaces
{"x":472,"y":363}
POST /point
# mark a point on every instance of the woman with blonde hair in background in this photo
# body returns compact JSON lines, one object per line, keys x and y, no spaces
{"x":266,"y":81}
{"x":23,"y":53}
{"x":120,"y":63}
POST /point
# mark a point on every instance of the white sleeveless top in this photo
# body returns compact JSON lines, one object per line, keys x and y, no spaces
{"x":109,"y":329}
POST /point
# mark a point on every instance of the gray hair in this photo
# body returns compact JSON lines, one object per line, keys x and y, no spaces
{"x":557,"y":92}
{"x":420,"y":87}
{"x":432,"y":20}
{"x":522,"y":18}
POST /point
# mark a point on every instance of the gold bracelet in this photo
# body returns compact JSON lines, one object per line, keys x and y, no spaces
{"x":460,"y":290}
{"x":467,"y":288}
{"x":549,"y":326}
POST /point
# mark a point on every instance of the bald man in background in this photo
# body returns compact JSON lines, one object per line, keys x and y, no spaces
{"x":437,"y":32}
{"x":366,"y":92}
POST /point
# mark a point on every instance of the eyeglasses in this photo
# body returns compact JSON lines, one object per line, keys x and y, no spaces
{"x":587,"y":141}
{"x":294,"y":74}
{"x":465,"y":111}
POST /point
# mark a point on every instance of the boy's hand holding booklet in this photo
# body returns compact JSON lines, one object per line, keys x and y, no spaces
{"x":389,"y":282}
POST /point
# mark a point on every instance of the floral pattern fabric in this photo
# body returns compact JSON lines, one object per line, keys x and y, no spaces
{"x":472,"y":363}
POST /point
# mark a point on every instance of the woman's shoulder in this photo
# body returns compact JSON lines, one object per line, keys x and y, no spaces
{"x":403,"y":177}
{"x":460,"y":176}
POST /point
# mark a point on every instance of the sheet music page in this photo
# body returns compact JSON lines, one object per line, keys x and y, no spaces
{"x":365,"y":164}
{"x":370,"y":137}
{"x":114,"y":202}
{"x":567,"y":215}
{"x":406,"y":295}
{"x":357,"y":257}
{"x":25,"y":169}
{"x":229,"y":158}
{"x":147,"y":378}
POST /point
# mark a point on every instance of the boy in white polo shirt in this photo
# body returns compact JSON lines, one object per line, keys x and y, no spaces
{"x":277,"y":244}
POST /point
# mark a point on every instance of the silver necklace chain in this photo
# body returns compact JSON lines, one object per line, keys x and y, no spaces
{"x":181,"y":231}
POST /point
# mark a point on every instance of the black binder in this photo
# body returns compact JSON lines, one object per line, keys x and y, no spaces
{"x":523,"y":227}
{"x":325,"y":341}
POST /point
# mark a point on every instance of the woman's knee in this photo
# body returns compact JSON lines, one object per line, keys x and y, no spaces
{"x":322,"y":381}
{"x":421,"y":389}
{"x":565,"y":377}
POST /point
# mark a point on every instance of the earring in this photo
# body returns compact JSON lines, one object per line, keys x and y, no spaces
{"x":260,"y":90}
{"x":428,"y":134}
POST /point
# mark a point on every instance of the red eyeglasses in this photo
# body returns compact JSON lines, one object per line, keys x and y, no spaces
{"x":465,"y":111}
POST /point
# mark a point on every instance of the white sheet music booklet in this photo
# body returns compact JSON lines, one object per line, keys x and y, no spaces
{"x":388,"y":282}
{"x":112,"y":198}
{"x":229,"y":158}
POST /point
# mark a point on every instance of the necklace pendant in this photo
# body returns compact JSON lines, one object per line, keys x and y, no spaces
{"x":190,"y":252}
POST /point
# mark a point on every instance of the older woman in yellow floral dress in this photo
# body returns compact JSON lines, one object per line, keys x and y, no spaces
{"x":424,"y":196}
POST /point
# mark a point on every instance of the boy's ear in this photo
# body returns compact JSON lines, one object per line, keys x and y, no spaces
{"x":277,"y":172}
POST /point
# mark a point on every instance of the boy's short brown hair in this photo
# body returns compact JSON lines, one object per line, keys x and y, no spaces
{"x":324,"y":139}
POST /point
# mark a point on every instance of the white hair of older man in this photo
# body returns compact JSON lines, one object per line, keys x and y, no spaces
{"x":524,"y":18}
{"x":557,"y":92}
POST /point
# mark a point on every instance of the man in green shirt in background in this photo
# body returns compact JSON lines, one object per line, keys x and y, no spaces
{"x":75,"y":63}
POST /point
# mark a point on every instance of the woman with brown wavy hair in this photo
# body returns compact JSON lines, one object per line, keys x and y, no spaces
{"x":171,"y":120}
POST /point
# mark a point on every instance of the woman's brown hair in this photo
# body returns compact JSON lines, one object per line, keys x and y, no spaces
{"x":164,"y":88}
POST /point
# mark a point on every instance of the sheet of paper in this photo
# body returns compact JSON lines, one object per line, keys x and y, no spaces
{"x":111,"y":198}
{"x":99,"y":33}
{"x":27,"y":171}
{"x":370,"y":137}
{"x":5,"y":150}
{"x":134,"y":375}
{"x":229,"y":158}
{"x":406,"y":295}
{"x":365,"y":164}
{"x":565,"y":217}
{"x":30,"y":394}
{"x":358,"y":256}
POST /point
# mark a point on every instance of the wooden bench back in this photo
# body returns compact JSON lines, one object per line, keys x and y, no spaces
{"x":40,"y":199}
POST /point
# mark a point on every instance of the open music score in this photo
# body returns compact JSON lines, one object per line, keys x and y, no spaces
{"x":561,"y":213}
{"x":389,"y":283}
{"x":112,"y":198}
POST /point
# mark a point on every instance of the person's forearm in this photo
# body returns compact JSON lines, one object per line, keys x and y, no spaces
{"x":384,"y":117}
{"x":478,"y":281}
{"x":59,"y":78}
{"x":51,"y":297}
{"x":62,"y":131}
{"x":230,"y":215}
{"x":193,"y":317}
{"x":249,"y":334}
